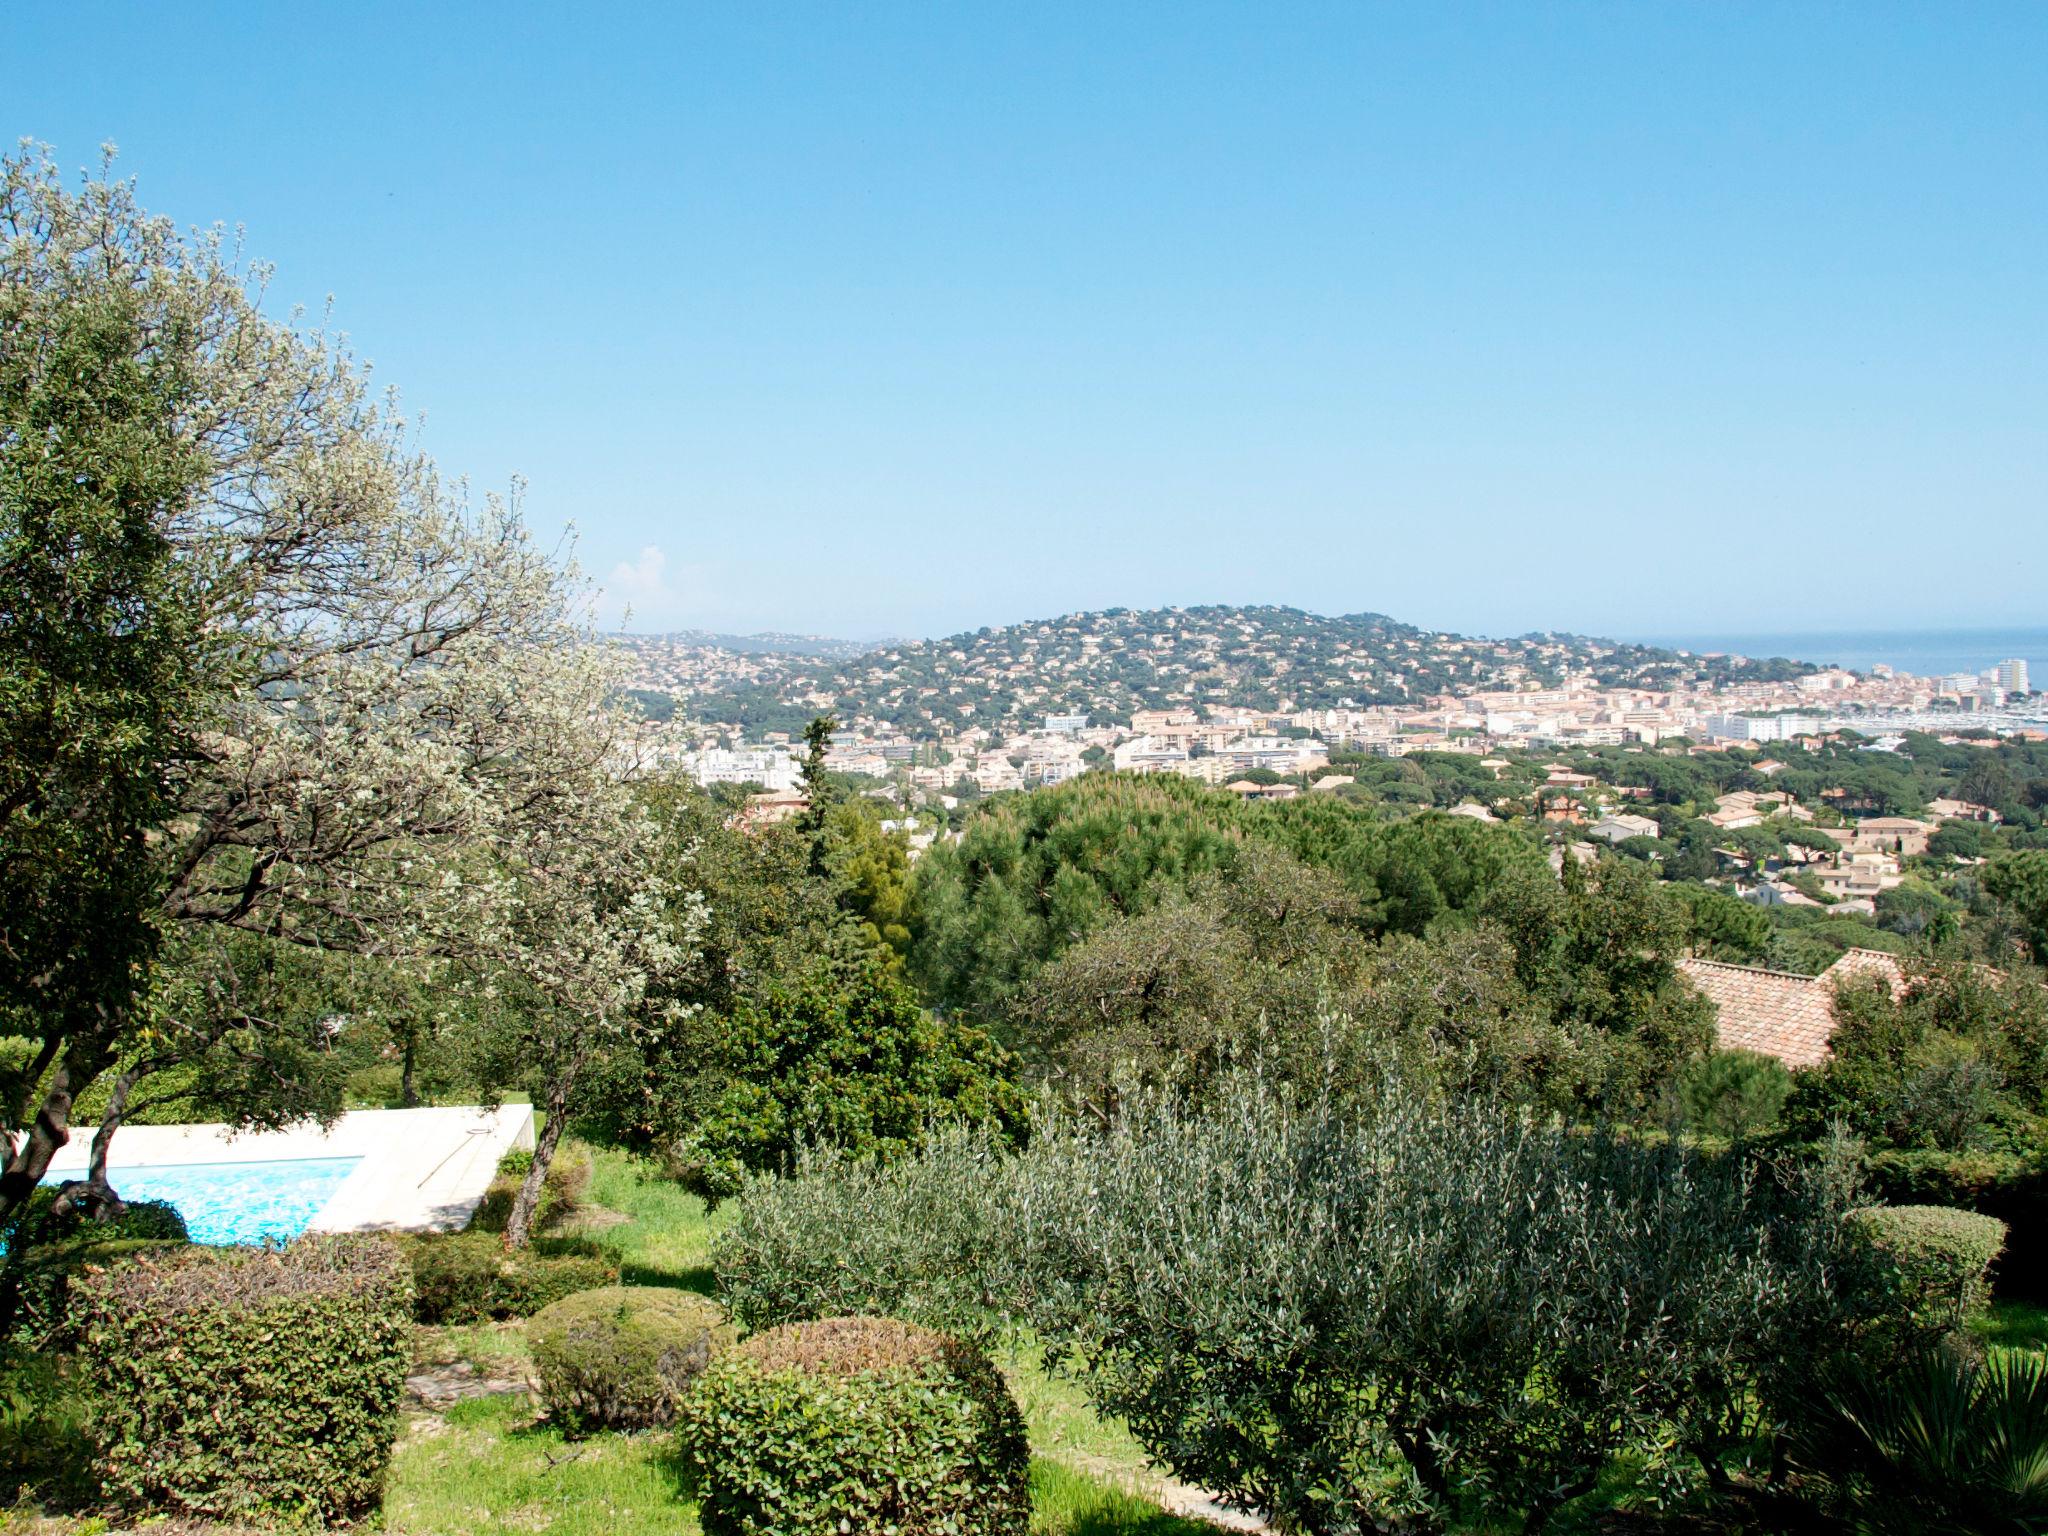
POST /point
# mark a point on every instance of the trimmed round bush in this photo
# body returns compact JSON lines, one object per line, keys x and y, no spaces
{"x":1932,"y":1262}
{"x":471,"y":1277}
{"x":247,"y":1383}
{"x":622,"y":1357}
{"x":856,"y":1424}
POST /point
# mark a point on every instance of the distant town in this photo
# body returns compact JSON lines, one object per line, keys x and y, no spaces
{"x":1450,"y":694}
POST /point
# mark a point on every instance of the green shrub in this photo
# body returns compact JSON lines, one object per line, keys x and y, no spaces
{"x":471,"y":1277}
{"x":2012,"y":1188}
{"x":247,"y":1382}
{"x":854,"y":1062}
{"x":1932,"y":1442}
{"x":41,"y":1249}
{"x":1350,"y":1313}
{"x":1736,"y":1095}
{"x":1933,"y":1262}
{"x":561,"y":1191}
{"x":856,"y":1424}
{"x":622,"y":1357}
{"x":908,"y":1238}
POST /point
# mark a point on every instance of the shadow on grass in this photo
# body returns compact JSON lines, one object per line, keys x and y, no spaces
{"x":696,"y":1277}
{"x":2014,"y":1325}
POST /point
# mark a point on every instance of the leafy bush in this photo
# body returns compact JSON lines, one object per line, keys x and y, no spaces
{"x":1936,"y":1442}
{"x":853,"y":1062}
{"x":620,"y":1357}
{"x":2014,"y":1189}
{"x":1934,"y":1261}
{"x":1343,"y":1315}
{"x":561,"y":1191}
{"x":42,"y":1248}
{"x":471,"y":1277}
{"x":1953,"y":1064}
{"x":1281,"y":1299}
{"x":248,"y":1383}
{"x":856,"y":1424}
{"x":909,"y":1239}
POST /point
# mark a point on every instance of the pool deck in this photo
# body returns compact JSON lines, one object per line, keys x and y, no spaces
{"x":422,"y":1170}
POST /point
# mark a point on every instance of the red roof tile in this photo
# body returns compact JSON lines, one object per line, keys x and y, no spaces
{"x":1782,"y":1013}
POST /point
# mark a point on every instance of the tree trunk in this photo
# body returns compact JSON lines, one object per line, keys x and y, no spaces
{"x":519,"y":1225}
{"x":51,"y":1132}
{"x":96,"y":1198}
{"x":408,"y":1071}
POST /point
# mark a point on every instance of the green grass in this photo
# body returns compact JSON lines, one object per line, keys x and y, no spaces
{"x":1068,"y":1503}
{"x":488,"y":1465}
{"x":666,"y":1236}
{"x":2013,"y":1325}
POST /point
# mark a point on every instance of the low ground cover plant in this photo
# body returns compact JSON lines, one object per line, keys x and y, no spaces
{"x":622,"y":1357}
{"x":247,"y":1383}
{"x":856,"y":1424}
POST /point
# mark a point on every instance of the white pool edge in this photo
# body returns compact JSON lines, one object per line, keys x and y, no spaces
{"x":422,"y":1170}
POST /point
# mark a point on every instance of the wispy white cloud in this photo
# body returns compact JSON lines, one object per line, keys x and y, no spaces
{"x":648,"y":592}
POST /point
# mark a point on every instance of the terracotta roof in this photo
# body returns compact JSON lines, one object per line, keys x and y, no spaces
{"x":1782,"y":1013}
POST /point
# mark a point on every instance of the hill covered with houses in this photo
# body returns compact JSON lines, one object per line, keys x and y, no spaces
{"x":1113,"y":664}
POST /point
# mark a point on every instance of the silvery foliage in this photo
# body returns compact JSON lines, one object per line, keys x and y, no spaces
{"x":1351,"y":1316}
{"x":410,"y":750}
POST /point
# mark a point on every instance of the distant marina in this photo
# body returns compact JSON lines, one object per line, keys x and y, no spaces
{"x":1923,"y":653}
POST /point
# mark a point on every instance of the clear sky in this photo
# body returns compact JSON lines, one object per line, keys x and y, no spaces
{"x":864,"y":319}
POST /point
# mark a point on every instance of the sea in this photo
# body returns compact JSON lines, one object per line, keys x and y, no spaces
{"x":1922,"y":652}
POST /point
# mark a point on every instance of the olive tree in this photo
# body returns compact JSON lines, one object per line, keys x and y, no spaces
{"x":1341,"y":1316}
{"x":1349,"y":1315}
{"x":330,"y":704}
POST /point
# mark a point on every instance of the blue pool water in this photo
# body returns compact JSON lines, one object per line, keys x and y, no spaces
{"x":235,"y":1202}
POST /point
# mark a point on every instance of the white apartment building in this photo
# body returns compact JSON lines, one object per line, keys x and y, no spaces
{"x":1148,"y":754}
{"x":770,"y":767}
{"x":1278,"y":753}
{"x":1762,"y":727}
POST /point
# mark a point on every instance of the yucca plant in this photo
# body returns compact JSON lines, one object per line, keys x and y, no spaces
{"x":1935,"y":1443}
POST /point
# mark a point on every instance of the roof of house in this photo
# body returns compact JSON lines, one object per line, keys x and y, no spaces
{"x":1782,"y":1013}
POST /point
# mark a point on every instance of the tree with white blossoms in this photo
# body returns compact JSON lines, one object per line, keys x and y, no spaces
{"x":268,"y":687}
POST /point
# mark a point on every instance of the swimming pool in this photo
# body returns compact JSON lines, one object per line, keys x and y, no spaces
{"x":241,"y":1203}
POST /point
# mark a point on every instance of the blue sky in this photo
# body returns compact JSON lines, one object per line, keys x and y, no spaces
{"x":871,"y":319}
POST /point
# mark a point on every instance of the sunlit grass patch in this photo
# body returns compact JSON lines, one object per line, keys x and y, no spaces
{"x":1065,"y":1502}
{"x":486,"y":1466}
{"x":2013,"y":1325}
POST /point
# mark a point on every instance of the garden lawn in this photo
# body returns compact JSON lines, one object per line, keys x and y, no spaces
{"x":2013,"y":1325}
{"x":486,"y":1465}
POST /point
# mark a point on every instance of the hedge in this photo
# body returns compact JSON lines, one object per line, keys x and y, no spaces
{"x":2013,"y":1189}
{"x":248,"y":1383}
{"x":622,"y":1357}
{"x":41,"y":1249}
{"x":471,"y":1277}
{"x":1934,"y":1261}
{"x":856,"y":1424}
